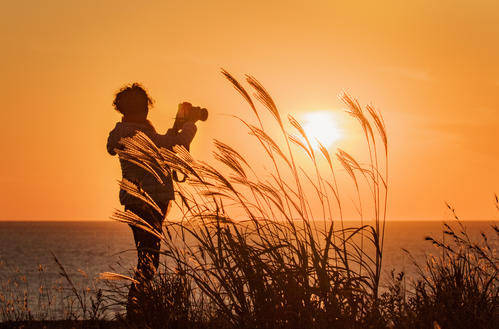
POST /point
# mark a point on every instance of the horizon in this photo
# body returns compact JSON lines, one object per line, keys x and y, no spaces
{"x":337,"y":220}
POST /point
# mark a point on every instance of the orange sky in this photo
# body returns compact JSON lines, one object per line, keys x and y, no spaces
{"x":431,"y":67}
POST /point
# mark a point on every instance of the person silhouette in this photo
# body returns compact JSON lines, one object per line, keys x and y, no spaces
{"x":133,"y":102}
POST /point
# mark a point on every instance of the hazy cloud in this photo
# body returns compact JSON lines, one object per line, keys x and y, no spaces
{"x":478,"y":133}
{"x":408,"y":73}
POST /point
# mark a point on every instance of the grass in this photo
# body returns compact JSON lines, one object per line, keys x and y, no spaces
{"x":459,"y":287}
{"x":64,"y":298}
{"x":249,"y":244}
{"x":248,"y":251}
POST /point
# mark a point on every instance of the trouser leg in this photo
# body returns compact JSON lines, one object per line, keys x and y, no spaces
{"x":148,"y":249}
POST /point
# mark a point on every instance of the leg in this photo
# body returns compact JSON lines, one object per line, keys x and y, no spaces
{"x":148,"y":247}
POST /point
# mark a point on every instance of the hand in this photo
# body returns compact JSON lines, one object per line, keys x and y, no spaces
{"x":181,"y":118}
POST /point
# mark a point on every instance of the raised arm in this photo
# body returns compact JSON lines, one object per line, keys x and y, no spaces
{"x":174,"y":137}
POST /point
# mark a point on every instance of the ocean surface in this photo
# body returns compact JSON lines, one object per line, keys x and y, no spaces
{"x":86,"y":249}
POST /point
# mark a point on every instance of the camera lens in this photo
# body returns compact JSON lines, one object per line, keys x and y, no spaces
{"x":203,"y":114}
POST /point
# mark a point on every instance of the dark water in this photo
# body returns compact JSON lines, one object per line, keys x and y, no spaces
{"x":88,"y":248}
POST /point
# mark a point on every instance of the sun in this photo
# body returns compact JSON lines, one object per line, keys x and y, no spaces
{"x":321,"y":126}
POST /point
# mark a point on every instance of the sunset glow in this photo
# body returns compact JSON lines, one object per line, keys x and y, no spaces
{"x":321,"y":126}
{"x":430,"y":68}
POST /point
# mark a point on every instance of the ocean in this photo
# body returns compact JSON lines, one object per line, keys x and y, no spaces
{"x":86,"y":249}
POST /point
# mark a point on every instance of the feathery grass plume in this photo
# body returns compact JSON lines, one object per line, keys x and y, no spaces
{"x":243,"y":93}
{"x":296,"y":140}
{"x":308,"y":149}
{"x":139,"y":193}
{"x":380,"y":191}
{"x":262,"y":135}
{"x":380,"y":125}
{"x":264,"y":97}
{"x":130,"y":218}
{"x":116,"y":277}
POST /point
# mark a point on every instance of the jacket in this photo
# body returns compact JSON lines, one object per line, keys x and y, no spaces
{"x":160,"y":193}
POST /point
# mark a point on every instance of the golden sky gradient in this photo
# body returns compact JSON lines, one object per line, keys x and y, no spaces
{"x":431,"y":68}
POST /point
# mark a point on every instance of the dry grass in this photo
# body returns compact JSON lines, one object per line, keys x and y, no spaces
{"x":249,"y":252}
{"x":251,"y":245}
{"x":64,"y":298}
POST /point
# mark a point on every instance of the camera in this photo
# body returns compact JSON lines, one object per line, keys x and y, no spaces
{"x":191,"y":113}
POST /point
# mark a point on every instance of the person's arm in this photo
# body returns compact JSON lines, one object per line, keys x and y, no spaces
{"x":174,"y":137}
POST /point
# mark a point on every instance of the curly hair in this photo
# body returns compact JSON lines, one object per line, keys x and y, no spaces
{"x":132,"y":98}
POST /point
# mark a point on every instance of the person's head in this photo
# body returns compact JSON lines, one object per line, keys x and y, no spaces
{"x":133,"y":101}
